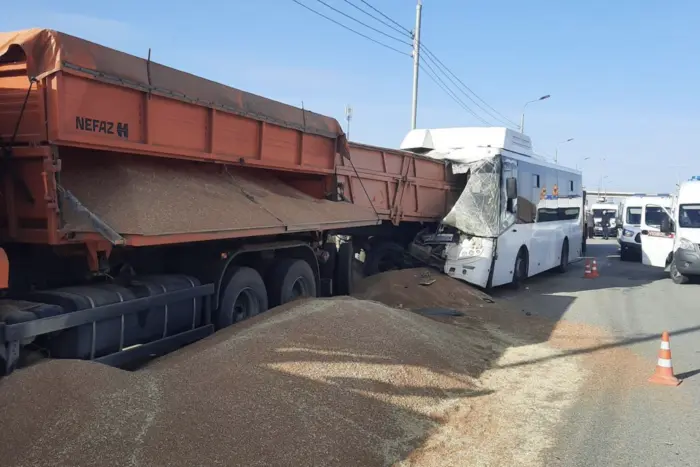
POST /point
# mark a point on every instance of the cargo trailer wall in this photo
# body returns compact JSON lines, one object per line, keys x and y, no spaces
{"x":91,"y":113}
{"x":398,"y":185}
{"x":81,"y":111}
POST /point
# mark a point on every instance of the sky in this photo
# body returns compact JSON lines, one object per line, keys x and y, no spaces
{"x":622,"y":75}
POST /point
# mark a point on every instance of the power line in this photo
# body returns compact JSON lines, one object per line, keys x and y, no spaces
{"x":400,"y":29}
{"x":502,"y":118}
{"x":437,"y":80}
{"x":351,"y":29}
{"x":388,"y":18}
{"x":432,"y":73}
{"x":436,"y":62}
{"x":447,"y":72}
{"x":362,"y":23}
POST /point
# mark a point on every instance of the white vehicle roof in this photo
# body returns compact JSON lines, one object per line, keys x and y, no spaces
{"x":446,"y":139}
{"x":469,"y":144}
{"x":610,"y":206}
{"x":689,"y":192}
{"x":641,"y":201}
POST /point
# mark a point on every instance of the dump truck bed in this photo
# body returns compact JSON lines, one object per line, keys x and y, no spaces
{"x":99,"y":143}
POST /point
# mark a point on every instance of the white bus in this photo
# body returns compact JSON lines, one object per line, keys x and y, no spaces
{"x":518,"y":215}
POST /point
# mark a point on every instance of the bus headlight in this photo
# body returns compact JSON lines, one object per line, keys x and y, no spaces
{"x":627,"y":233}
{"x":472,"y":247}
{"x":685,"y":244}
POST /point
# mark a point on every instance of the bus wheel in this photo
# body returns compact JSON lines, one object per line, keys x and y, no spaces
{"x":676,"y":276}
{"x":564,"y":261}
{"x":519,"y":269}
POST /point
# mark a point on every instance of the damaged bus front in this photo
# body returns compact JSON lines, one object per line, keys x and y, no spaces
{"x":518,"y":215}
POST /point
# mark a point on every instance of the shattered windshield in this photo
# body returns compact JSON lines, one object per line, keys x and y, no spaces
{"x":477,"y":210}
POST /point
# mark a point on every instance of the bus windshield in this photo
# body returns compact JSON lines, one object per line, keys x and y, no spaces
{"x":477,"y":210}
{"x":689,"y":216}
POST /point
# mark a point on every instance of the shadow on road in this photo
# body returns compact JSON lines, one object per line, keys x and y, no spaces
{"x":551,"y":294}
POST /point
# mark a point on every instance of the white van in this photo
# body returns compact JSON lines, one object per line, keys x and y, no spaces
{"x":676,"y":247}
{"x":638,"y":213}
{"x":598,"y":211}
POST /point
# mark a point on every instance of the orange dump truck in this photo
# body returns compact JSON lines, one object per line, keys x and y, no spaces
{"x":143,"y":207}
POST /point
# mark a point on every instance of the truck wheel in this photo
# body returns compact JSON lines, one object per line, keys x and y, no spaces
{"x":291,"y":279}
{"x":386,"y":256}
{"x":244,"y":297}
{"x":564,"y":261}
{"x":676,"y":276}
{"x":343,"y":277}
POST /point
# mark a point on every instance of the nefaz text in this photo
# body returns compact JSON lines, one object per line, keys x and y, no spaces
{"x":102,"y":126}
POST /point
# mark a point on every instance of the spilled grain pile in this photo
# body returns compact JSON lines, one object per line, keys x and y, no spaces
{"x":323,"y":382}
{"x":326,"y":382}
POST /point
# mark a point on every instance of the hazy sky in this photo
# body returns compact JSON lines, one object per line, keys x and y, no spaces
{"x":623,"y":74}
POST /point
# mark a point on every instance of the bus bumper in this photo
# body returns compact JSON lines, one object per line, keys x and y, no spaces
{"x":470,"y":264}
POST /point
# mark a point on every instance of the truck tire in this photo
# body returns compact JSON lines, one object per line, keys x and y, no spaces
{"x":386,"y":256}
{"x":676,"y":276}
{"x":343,"y":277}
{"x":244,"y":296}
{"x":289,"y":280}
{"x":564,"y":260}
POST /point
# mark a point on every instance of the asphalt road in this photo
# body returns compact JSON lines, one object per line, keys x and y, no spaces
{"x":622,"y":420}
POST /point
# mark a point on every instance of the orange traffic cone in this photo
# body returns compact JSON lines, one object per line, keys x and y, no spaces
{"x":664,"y":367}
{"x":587,"y":269}
{"x":594,"y":269}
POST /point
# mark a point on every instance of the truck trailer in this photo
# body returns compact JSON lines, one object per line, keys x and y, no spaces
{"x":144,"y":208}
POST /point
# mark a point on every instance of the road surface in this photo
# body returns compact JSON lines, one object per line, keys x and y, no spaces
{"x":619,"y":418}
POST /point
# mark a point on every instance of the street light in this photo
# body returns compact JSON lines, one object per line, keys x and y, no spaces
{"x":522,"y":116}
{"x":582,"y":160}
{"x":556,"y":150}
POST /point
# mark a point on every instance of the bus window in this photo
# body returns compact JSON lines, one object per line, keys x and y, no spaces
{"x":568,"y":214}
{"x":547,"y":215}
{"x":634,"y":216}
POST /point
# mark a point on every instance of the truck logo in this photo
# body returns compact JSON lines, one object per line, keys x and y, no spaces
{"x":102,"y":126}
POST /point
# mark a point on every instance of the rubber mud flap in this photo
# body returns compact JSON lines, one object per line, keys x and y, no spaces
{"x":180,"y":314}
{"x":343,"y":277}
{"x":77,"y":342}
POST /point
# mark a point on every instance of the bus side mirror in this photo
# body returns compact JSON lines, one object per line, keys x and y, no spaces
{"x":511,"y":188}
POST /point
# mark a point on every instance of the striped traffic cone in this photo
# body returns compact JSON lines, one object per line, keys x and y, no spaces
{"x":594,"y":269}
{"x":587,"y":270}
{"x":664,"y":367}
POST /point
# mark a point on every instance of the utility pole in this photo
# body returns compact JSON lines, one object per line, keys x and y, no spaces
{"x":348,"y":117}
{"x":416,"y":65}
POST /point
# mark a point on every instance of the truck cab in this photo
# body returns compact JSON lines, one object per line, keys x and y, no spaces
{"x":638,"y":213}
{"x":676,"y":246}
